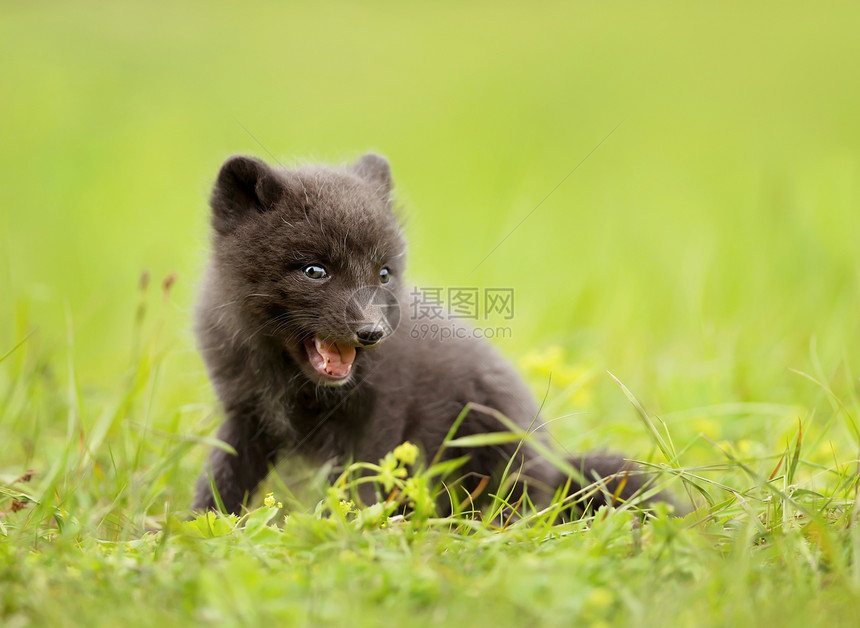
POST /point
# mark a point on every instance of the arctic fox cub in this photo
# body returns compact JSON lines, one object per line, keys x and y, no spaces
{"x":297,"y":324}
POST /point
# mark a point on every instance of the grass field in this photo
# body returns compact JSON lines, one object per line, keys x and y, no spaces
{"x":704,"y":253}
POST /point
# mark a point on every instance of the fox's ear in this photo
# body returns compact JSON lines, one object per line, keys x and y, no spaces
{"x":244,"y":186}
{"x":375,"y":170}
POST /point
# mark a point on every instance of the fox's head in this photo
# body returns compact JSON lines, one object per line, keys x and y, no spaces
{"x":310,"y":260}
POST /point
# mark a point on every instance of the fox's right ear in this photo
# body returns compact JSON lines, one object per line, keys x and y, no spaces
{"x":244,"y":186}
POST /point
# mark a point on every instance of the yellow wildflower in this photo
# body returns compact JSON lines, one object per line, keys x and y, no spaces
{"x":545,"y":361}
{"x":599,"y":599}
{"x":270,"y":501}
{"x":406,"y":453}
{"x":346,"y":507}
{"x":390,"y":470}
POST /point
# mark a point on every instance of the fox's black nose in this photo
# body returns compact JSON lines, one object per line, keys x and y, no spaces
{"x":370,"y":334}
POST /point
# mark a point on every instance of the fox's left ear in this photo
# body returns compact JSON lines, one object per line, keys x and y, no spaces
{"x":374,"y":169}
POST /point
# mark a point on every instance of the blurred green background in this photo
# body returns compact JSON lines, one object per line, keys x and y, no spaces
{"x":706,"y":248}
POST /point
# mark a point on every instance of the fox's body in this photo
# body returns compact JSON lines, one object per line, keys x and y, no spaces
{"x":297,"y":324}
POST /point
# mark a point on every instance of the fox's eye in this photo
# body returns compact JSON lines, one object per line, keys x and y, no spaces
{"x":385,"y":275}
{"x":315,"y":271}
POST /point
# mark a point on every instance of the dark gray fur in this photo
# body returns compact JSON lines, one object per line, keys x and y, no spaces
{"x":256,"y":306}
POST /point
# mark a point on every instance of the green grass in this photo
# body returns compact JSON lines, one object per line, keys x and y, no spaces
{"x":705,"y":255}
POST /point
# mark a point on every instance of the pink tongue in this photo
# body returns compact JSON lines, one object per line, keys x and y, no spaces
{"x":330,"y":358}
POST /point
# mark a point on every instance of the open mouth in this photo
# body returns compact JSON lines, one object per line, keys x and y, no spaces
{"x":331,"y":360}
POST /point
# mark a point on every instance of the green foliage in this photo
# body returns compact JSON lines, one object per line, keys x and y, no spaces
{"x":705,"y":254}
